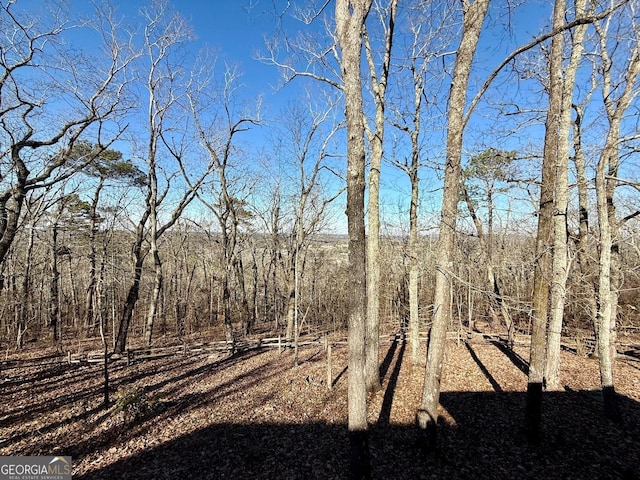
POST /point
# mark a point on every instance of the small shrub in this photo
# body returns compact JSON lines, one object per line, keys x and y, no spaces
{"x":134,"y":403}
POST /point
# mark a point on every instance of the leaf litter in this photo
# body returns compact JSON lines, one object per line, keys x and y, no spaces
{"x":256,"y":415}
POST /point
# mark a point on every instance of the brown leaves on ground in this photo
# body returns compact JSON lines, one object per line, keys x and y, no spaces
{"x":256,"y":415}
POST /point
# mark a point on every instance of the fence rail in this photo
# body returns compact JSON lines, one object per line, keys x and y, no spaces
{"x":579,"y":344}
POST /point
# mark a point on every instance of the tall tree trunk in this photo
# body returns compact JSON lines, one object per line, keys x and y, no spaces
{"x":544,"y":238}
{"x":129,"y":304}
{"x":606,"y":173}
{"x":25,"y":294}
{"x":585,"y":260}
{"x":90,"y":320}
{"x":372,"y":326}
{"x":605,"y":297}
{"x":152,"y":311}
{"x":350,"y":17}
{"x":560,"y":265}
{"x":609,"y":262}
{"x":379,"y":87}
{"x":54,"y":286}
{"x":427,"y":417}
{"x":414,"y":319}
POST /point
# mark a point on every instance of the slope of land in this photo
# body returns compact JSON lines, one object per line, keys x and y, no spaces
{"x":256,"y":415}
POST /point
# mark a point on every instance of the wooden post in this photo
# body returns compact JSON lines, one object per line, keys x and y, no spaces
{"x":329,"y":376}
{"x":69,"y":358}
{"x":279,"y":344}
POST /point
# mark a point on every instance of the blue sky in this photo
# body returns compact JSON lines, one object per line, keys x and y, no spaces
{"x":233,"y":29}
{"x":236,"y":31}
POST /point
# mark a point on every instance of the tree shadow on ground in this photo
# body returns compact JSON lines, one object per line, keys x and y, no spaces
{"x":386,"y":363}
{"x":387,"y":401}
{"x":42,"y":384}
{"x":484,"y":442}
{"x":494,"y":383}
{"x":516,"y":359}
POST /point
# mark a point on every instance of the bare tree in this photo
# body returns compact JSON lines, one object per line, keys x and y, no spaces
{"x":164,"y":33}
{"x":308,"y":135}
{"x":418,"y":64}
{"x":350,"y":16}
{"x":429,"y":35}
{"x":473,"y":20}
{"x":561,"y":261}
{"x":617,"y":94}
{"x":323,"y":63}
{"x":544,"y":236}
{"x":379,"y":82}
{"x":218,"y":125}
{"x":583,"y":254}
{"x":488,"y":168}
{"x":32,"y":92}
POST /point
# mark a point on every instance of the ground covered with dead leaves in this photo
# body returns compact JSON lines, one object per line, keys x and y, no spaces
{"x":256,"y":415}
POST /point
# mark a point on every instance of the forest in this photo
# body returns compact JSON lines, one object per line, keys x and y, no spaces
{"x":450,"y":177}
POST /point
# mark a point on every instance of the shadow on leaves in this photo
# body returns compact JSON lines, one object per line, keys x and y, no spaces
{"x":486,"y":442}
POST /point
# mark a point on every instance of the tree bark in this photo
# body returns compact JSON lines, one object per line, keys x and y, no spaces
{"x":54,"y":285}
{"x":11,"y":201}
{"x":292,"y":288}
{"x":129,"y":304}
{"x":414,"y":318}
{"x":350,"y":16}
{"x":227,"y":320}
{"x":561,"y":264}
{"x":544,"y":237}
{"x":155,"y":297}
{"x":89,"y":322}
{"x":379,"y":87}
{"x":606,"y":173}
{"x":585,"y":260}
{"x":604,"y":301}
{"x":427,"y":417}
{"x":414,"y":133}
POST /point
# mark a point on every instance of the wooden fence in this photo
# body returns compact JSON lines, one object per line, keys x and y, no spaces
{"x":579,"y":344}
